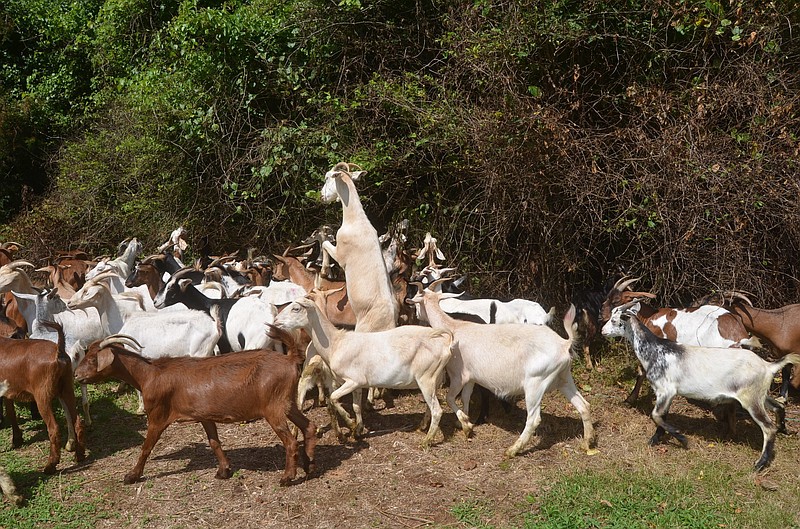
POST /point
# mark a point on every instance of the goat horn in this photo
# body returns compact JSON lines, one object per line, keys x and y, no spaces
{"x":439,"y":282}
{"x":102,"y":276}
{"x":182,"y":272}
{"x":624,"y":283}
{"x":224,"y":259}
{"x":123,"y":339}
{"x":738,"y":295}
{"x":7,"y":245}
{"x":13,"y":265}
{"x":628,"y":305}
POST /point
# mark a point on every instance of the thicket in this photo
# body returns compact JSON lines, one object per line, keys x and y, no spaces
{"x":545,"y":144}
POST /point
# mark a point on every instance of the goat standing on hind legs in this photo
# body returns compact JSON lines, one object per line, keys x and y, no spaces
{"x":236,"y":387}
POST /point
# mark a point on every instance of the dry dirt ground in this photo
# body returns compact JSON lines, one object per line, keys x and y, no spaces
{"x":387,"y":480}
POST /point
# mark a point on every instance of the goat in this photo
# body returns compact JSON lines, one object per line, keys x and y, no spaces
{"x":241,"y":387}
{"x":151,"y":272}
{"x":57,"y":278}
{"x":712,"y":374}
{"x":7,"y":251}
{"x":707,"y":325}
{"x":40,"y":370}
{"x":358,"y":252}
{"x":338,"y":310}
{"x":405,"y":357}
{"x":121,"y":266}
{"x":242,"y":319}
{"x":176,"y":243}
{"x":80,"y":327}
{"x":75,"y":264}
{"x":508,"y":359}
{"x":14,"y":279}
{"x":780,"y":328}
{"x":162,"y":333}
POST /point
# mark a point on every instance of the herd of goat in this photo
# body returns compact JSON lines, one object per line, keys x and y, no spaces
{"x":229,"y":341}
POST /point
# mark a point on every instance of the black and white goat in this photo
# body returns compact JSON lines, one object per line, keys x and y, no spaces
{"x":711,"y":374}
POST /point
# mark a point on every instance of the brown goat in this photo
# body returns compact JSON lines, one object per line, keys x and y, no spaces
{"x":236,"y":387}
{"x":338,"y":309}
{"x":41,"y":370}
{"x":780,"y":327}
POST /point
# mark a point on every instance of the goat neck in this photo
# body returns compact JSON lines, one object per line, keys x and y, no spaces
{"x":323,"y":332}
{"x":352,"y":210}
{"x":648,"y":347}
{"x":433,"y":311}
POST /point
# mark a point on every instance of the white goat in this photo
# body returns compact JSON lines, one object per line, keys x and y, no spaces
{"x":122,"y":266}
{"x":405,"y":357}
{"x":488,"y":310}
{"x":712,"y":374}
{"x":508,"y":359}
{"x":161,"y":334}
{"x":243,"y":319}
{"x":358,"y":252}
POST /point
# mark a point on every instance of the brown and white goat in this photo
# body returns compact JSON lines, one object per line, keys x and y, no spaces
{"x":706,"y":325}
{"x":236,"y":387}
{"x":40,"y":371}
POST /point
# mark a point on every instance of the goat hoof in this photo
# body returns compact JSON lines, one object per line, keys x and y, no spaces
{"x":223,"y":473}
{"x":285,"y":481}
{"x":50,"y":468}
{"x":16,"y":442}
{"x":80,"y":457}
{"x":70,"y":446}
{"x":682,"y":439}
{"x":130,"y":478}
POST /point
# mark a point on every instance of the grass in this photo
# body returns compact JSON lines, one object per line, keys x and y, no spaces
{"x":54,"y":500}
{"x":636,"y":499}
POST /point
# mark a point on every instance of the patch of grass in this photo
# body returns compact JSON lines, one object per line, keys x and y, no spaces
{"x":50,"y":500}
{"x":637,"y":499}
{"x":49,"y":504}
{"x":472,"y":514}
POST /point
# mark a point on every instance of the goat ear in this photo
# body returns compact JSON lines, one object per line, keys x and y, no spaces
{"x":633,"y":310}
{"x":355,"y":175}
{"x":183,"y":283}
{"x":104,"y":358}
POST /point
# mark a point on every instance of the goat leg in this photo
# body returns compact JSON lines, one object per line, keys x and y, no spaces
{"x":154,"y":430}
{"x":224,"y":468}
{"x":780,"y":414}
{"x":55,"y":438}
{"x":16,"y":432}
{"x":659,"y":416}
{"x":637,"y":387}
{"x":309,"y":430}
{"x":281,"y":428}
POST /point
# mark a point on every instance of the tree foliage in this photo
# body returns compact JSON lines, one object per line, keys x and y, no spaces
{"x":544,"y":145}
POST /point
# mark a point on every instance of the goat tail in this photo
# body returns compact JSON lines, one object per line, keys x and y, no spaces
{"x":62,"y":348}
{"x":569,"y":323}
{"x":792,"y":358}
{"x":287,"y":339}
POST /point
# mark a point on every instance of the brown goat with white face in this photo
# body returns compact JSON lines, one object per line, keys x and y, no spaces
{"x":236,"y":387}
{"x":40,"y":371}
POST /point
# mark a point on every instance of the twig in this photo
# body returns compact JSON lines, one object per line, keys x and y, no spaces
{"x":406,"y":516}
